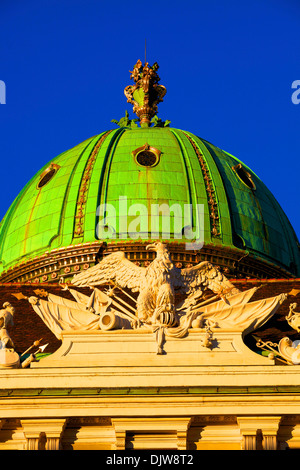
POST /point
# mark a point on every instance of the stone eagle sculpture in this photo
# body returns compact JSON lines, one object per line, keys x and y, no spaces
{"x":157,"y":282}
{"x":156,"y":308}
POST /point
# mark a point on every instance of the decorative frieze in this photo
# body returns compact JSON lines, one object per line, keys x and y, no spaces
{"x":66,"y":261}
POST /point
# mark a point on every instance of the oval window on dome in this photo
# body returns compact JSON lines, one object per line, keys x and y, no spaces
{"x":147,"y":156}
{"x":244,"y":176}
{"x":47,"y":175}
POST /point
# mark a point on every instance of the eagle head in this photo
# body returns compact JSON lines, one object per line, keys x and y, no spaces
{"x":163,"y":256}
{"x":159,"y":247}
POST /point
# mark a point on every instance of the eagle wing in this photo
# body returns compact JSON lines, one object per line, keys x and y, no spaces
{"x":203,"y":275}
{"x":114,"y":267}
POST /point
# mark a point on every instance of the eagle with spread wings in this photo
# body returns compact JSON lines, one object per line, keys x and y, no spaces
{"x":157,"y":282}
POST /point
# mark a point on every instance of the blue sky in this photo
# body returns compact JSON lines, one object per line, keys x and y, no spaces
{"x":228,"y":67}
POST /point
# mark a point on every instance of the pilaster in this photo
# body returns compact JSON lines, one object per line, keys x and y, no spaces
{"x":268,"y":425}
{"x":43,"y":434}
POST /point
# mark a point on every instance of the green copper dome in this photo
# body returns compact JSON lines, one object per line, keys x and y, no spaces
{"x":58,"y":209}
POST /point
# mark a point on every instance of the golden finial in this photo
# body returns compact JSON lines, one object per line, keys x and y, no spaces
{"x":146,"y":93}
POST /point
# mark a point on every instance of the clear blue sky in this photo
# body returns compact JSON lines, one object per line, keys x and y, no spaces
{"x":228,"y":67}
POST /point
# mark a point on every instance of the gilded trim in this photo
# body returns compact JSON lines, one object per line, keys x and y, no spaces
{"x":210,"y":191}
{"x":83,"y":189}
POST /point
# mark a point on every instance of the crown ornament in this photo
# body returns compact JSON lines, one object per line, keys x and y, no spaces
{"x":146,"y":93}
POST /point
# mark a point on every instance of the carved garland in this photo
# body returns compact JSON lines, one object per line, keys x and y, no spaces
{"x":211,"y":197}
{"x":84,"y":185}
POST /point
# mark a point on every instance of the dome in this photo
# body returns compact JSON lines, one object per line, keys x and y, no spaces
{"x":126,"y":186}
{"x":54,"y":227}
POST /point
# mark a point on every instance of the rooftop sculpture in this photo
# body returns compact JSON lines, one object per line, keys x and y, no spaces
{"x":155,"y":310}
{"x":146,"y":93}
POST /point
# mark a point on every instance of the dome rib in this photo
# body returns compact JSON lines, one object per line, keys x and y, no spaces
{"x":66,"y":222}
{"x":106,"y":166}
{"x":220,"y":228}
{"x":83,"y":189}
{"x":190,"y":179}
